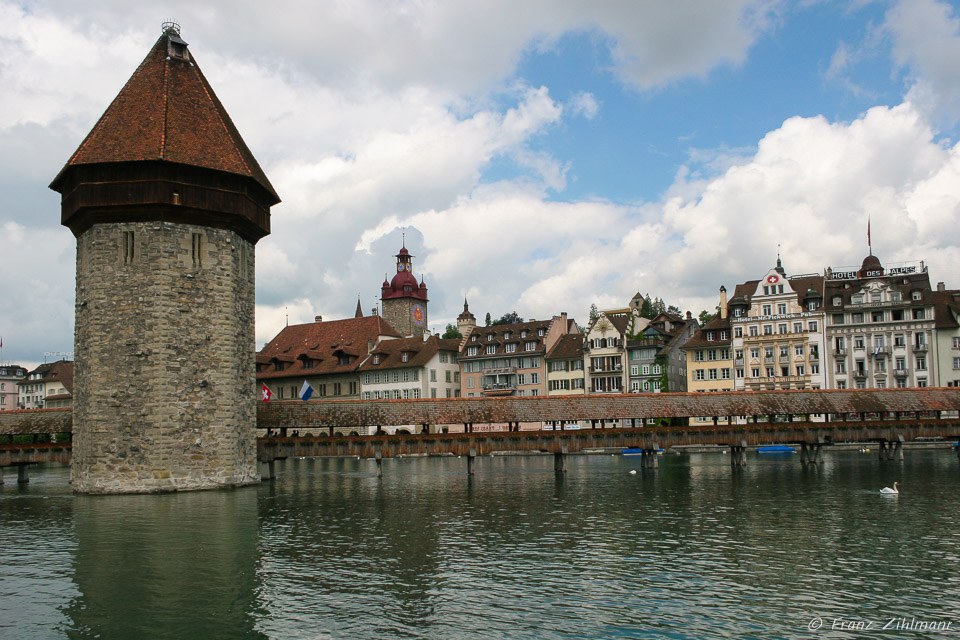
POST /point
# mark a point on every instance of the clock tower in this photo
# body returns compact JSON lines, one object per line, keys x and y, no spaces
{"x":404,"y":299}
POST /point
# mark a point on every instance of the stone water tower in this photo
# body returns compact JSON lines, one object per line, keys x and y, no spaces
{"x":167,"y":203}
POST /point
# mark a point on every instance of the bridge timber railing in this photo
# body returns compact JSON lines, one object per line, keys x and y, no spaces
{"x":758,"y":417}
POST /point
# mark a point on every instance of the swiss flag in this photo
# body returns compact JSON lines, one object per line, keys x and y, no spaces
{"x":266,"y":394}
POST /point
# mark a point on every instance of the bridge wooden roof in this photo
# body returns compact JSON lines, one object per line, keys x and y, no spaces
{"x":349,"y":413}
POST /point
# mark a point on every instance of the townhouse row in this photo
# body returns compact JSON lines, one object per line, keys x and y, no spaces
{"x":845,"y":328}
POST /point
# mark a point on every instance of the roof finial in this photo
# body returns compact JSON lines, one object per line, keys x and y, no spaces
{"x":404,"y":236}
{"x":170,"y":25}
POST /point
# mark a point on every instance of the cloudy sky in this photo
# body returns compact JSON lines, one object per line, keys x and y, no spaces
{"x":539,"y":155}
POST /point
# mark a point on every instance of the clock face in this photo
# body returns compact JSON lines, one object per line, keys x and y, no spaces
{"x":418,"y":314}
{"x":399,"y":267}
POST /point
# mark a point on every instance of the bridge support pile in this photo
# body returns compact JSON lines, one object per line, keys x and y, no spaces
{"x":888,"y":450}
{"x":738,"y":454}
{"x":811,"y":453}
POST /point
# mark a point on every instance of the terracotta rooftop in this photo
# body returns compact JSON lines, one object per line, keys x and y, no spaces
{"x":716,"y":325}
{"x":419,"y":352}
{"x":502,"y":334}
{"x":168,"y":111}
{"x":947,"y":309}
{"x":567,"y":347}
{"x":59,"y":371}
{"x":317,"y":348}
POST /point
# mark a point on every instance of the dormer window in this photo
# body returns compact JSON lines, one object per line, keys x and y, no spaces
{"x":709,"y":336}
{"x":507,"y":334}
{"x":836,"y":301}
{"x":723,"y":335}
{"x":541,"y":332}
{"x":176,"y":47}
{"x":491,"y":336}
{"x":523,"y":334}
{"x":473,"y":338}
{"x":915,"y":294}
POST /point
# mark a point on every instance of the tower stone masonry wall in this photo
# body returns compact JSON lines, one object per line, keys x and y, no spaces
{"x":164,"y":357}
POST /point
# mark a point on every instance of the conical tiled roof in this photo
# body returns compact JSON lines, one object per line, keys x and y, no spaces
{"x":167,"y":111}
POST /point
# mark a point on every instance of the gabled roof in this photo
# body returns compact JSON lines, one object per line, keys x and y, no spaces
{"x":699,"y":339}
{"x":419,"y":352}
{"x":167,"y":111}
{"x":568,"y":346}
{"x":321,"y":344}
{"x":947,"y":309}
{"x":59,"y":371}
{"x":495,"y":334}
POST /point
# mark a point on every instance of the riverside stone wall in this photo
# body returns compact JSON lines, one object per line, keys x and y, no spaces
{"x":164,"y":395}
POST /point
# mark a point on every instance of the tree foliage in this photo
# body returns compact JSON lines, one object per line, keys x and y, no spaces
{"x":488,"y":319}
{"x":451,"y":332}
{"x":594,"y":312}
{"x":705,"y":317}
{"x":508,"y":318}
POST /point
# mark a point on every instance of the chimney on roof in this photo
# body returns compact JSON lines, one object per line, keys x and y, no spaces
{"x":689,"y":315}
{"x":723,"y":302}
{"x":318,"y":319}
{"x":373,"y":311}
{"x":941,"y":286}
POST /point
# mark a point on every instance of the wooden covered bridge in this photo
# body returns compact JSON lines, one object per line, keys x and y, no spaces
{"x":460,"y":426}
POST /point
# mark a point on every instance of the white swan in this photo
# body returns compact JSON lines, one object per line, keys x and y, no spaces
{"x":896,"y":488}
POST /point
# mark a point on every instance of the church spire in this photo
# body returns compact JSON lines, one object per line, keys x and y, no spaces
{"x":359,"y":312}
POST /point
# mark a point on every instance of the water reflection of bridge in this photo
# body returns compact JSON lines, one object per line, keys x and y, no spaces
{"x":809,"y":419}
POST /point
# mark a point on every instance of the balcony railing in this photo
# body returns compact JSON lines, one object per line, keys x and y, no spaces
{"x":814,"y":355}
{"x":900,"y":373}
{"x":500,"y":386}
{"x":919,"y":348}
{"x":840,"y":353}
{"x":501,"y":371}
{"x":615,"y":368}
{"x":738,"y":361}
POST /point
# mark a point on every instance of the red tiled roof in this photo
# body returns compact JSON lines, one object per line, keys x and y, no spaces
{"x":947,"y":309}
{"x":495,"y":335}
{"x":716,"y":325}
{"x":419,"y":352}
{"x":320,"y":343}
{"x":567,"y":347}
{"x":168,"y":111}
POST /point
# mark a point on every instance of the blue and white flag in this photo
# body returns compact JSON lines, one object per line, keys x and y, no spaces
{"x":877,"y":352}
{"x":306,"y":391}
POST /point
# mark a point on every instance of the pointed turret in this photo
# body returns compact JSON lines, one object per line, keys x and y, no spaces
{"x":359,"y":312}
{"x":166,"y":146}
